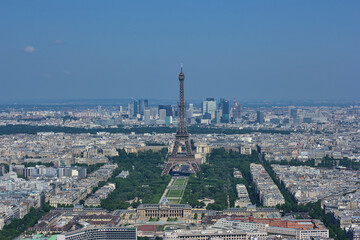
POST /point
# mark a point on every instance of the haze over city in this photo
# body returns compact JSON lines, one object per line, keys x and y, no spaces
{"x":171,"y":120}
{"x":255,"y":50}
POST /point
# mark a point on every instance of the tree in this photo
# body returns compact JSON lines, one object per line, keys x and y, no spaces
{"x":144,"y":181}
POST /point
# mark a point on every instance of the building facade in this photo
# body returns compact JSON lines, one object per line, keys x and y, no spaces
{"x":214,"y":234}
{"x":109,"y":233}
{"x":253,"y":211}
{"x":164,"y":211}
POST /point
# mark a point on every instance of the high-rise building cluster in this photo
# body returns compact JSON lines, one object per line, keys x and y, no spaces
{"x":213,"y":113}
{"x":137,"y":107}
{"x":209,"y":111}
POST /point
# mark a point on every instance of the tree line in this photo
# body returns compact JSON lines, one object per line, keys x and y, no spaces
{"x":327,"y":162}
{"x":144,"y":181}
{"x":18,"y":226}
{"x":314,"y":209}
{"x":89,"y":168}
{"x":215,"y":179}
{"x":198,"y":129}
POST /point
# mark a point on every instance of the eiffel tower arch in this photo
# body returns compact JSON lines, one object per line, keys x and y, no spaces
{"x":181,"y":136}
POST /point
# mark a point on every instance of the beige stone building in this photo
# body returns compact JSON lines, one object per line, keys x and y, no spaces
{"x":251,"y":210}
{"x":164,"y":210}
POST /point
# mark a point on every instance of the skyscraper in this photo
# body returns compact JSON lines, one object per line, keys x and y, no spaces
{"x":225,"y":108}
{"x":208,"y":106}
{"x":292,"y":112}
{"x":154,"y":111}
{"x":136,"y":108}
{"x":260,"y":117}
{"x":143,"y":104}
{"x":217,"y":117}
{"x":147,"y":116}
{"x":133,"y":108}
{"x":162,"y":114}
{"x":237,"y":109}
{"x":168,"y":108}
{"x":190,"y":111}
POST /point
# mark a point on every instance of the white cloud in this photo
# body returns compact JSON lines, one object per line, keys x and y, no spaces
{"x":29,"y":49}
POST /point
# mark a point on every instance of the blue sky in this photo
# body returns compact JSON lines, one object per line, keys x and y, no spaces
{"x":244,"y":50}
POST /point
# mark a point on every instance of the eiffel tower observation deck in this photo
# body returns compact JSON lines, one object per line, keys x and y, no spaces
{"x":182,"y":136}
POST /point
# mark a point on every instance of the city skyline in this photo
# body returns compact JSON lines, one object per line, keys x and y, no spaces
{"x":103,"y":136}
{"x":244,"y":51}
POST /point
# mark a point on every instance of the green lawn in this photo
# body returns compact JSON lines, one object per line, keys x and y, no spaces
{"x":174,"y":193}
{"x":175,"y":201}
{"x":179,"y":182}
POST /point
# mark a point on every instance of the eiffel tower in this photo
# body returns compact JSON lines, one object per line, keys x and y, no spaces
{"x":182,"y":136}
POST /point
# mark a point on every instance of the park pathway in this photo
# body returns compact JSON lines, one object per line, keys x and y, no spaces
{"x":175,"y":189}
